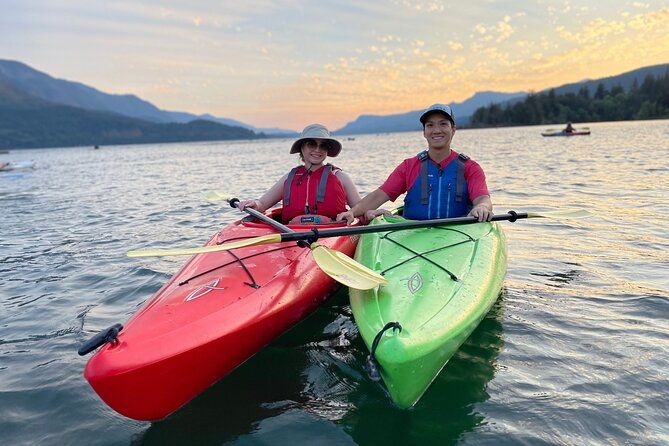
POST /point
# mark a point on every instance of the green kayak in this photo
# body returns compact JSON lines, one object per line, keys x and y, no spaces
{"x":442,"y":283}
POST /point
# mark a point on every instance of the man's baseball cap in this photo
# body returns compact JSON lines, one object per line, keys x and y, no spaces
{"x":441,"y":108}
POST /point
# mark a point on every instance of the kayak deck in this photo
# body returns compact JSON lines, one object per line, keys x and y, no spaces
{"x":442,"y":282}
{"x":211,"y":316}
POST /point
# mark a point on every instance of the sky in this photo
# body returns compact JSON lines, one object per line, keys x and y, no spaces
{"x":288,"y":63}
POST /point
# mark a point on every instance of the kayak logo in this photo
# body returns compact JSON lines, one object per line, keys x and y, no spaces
{"x":203,"y":289}
{"x":415,"y":283}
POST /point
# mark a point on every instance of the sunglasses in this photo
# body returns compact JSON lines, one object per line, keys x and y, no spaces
{"x":323,"y":145}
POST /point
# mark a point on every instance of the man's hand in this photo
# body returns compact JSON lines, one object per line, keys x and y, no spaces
{"x":370,"y":215}
{"x":482,"y":212}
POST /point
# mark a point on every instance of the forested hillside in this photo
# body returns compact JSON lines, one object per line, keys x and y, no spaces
{"x":649,"y":100}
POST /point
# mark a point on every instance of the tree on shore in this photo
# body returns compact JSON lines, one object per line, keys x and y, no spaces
{"x":650,"y":100}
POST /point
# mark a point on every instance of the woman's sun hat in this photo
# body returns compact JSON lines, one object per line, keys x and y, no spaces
{"x":317,"y":131}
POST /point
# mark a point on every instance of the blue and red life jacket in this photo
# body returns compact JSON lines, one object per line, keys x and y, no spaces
{"x":438,"y":192}
{"x":313,"y":193}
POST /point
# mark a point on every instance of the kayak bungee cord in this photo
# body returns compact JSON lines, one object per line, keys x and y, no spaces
{"x":372,"y":365}
{"x":237,"y":259}
{"x":422,"y":255}
{"x":231,"y":262}
{"x":253,"y":283}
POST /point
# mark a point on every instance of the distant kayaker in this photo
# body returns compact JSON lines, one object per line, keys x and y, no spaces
{"x":440,"y":183}
{"x":3,"y":166}
{"x":314,"y":192}
{"x":569,"y":128}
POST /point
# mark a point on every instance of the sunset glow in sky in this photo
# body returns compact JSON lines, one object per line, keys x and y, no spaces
{"x":289,"y":63}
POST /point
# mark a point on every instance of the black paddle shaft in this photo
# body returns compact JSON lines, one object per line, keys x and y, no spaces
{"x":411,"y":224}
{"x":262,"y":217}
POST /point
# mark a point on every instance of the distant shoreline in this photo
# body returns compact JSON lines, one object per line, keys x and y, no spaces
{"x":273,"y":137}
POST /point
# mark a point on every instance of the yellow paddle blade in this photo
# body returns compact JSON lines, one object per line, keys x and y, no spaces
{"x":349,"y":272}
{"x":263,"y":240}
{"x":217,"y":196}
{"x":360,"y":267}
{"x":566,"y":213}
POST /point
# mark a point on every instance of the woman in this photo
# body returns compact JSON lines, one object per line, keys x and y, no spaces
{"x":314,"y":192}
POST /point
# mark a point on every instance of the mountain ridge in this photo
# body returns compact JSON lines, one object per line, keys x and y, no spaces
{"x":23,"y":88}
{"x":30,"y":122}
{"x":44,"y":86}
{"x":408,"y":121}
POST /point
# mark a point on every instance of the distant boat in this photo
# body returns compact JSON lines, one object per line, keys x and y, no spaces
{"x":577,"y":132}
{"x":4,"y":152}
{"x":21,"y":165}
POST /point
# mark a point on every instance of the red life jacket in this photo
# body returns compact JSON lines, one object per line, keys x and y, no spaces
{"x":318,"y":193}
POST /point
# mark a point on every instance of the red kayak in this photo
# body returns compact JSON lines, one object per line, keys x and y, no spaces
{"x":215,"y":313}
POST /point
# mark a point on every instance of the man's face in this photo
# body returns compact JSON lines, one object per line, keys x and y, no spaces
{"x":438,"y":131}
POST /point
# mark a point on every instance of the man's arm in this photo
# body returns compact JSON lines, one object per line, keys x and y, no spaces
{"x":371,"y":201}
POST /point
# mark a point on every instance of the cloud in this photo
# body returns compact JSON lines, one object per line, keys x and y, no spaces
{"x":504,"y":29}
{"x":596,"y":30}
{"x":455,"y":45}
{"x":388,"y":38}
{"x":650,"y":21}
{"x":422,"y":6}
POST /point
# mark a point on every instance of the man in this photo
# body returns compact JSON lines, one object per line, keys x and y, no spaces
{"x":440,"y":183}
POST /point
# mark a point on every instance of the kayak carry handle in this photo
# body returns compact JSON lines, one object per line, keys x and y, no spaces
{"x":109,"y":335}
{"x":371,"y":364}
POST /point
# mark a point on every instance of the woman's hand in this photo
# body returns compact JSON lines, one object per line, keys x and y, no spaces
{"x":348,"y":216}
{"x":253,"y":204}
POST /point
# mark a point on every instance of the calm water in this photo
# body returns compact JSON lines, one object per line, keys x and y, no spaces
{"x":576,"y":350}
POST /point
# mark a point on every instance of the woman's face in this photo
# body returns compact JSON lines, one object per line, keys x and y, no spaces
{"x":314,"y":151}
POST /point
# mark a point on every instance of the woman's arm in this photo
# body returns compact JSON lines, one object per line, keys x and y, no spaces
{"x":352,"y":194}
{"x":268,"y":199}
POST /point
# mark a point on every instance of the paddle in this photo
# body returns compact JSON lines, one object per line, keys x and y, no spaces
{"x":333,"y":263}
{"x":354,"y":230}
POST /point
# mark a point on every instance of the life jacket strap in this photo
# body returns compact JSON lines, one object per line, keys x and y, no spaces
{"x":460,"y":180}
{"x":423,"y":157}
{"x":286,"y":186}
{"x":320,"y":196}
